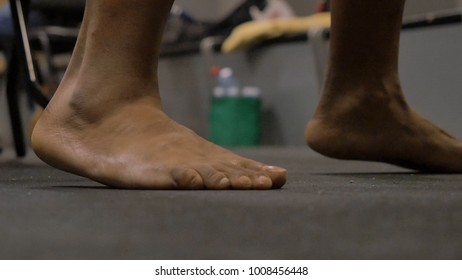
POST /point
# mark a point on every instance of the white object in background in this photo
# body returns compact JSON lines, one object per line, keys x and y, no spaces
{"x":227,"y":84}
{"x":274,"y":9}
{"x":251,"y":92}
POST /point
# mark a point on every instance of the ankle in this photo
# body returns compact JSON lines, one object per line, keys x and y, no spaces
{"x":376,"y":91}
{"x":88,"y":100}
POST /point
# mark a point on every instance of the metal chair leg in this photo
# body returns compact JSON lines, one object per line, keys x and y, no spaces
{"x":19,"y":9}
{"x":21,"y":57}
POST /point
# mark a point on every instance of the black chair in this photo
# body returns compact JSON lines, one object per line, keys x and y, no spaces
{"x":21,"y":60}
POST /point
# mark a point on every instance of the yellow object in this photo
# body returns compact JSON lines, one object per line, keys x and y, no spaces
{"x":253,"y":32}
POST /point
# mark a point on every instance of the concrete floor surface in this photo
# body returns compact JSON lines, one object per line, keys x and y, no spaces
{"x":329,"y":209}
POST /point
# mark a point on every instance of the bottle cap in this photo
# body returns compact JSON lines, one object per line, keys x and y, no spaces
{"x":226,"y":72}
{"x":214,"y":70}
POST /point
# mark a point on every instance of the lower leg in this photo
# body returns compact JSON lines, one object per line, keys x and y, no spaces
{"x":106,"y":122}
{"x":362,"y":113}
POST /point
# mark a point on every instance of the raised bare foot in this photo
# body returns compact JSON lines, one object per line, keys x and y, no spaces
{"x":376,"y":124}
{"x":135,"y":145}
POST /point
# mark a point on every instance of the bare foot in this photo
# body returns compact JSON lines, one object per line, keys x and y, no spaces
{"x":106,"y":122}
{"x":131,"y":143}
{"x":376,"y":124}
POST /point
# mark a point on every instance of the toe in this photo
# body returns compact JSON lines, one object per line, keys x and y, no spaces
{"x":261,"y":181}
{"x":278,"y":175}
{"x":240,"y":181}
{"x":187,"y":179}
{"x":213,"y":178}
{"x":243,"y":178}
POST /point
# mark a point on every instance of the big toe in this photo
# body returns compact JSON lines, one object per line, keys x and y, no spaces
{"x":278,"y":176}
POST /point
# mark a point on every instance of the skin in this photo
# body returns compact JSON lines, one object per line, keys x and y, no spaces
{"x":363,"y":114}
{"x":106,"y":122}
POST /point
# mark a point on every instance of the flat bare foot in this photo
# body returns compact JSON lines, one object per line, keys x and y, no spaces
{"x":376,"y":124}
{"x":135,"y":145}
{"x":106,"y":122}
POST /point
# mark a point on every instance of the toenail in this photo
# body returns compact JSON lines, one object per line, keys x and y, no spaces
{"x":224,"y":183}
{"x":274,"y":168}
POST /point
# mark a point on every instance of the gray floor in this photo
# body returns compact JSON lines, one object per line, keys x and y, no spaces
{"x":329,"y":210}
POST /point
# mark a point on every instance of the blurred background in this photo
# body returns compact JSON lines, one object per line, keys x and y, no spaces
{"x":284,"y":74}
{"x":216,"y":9}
